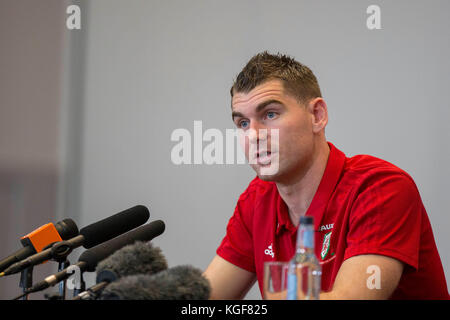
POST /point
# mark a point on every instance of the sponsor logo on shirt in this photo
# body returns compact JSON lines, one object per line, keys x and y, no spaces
{"x":326,"y":227}
{"x":269,"y":251}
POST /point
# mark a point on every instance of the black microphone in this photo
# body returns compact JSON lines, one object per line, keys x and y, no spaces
{"x":89,"y":236}
{"x":91,"y":257}
{"x":138,"y":258}
{"x":39,"y":239}
{"x":177,"y":283}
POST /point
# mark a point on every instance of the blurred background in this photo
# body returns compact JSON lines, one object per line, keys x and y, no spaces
{"x":86,"y":115}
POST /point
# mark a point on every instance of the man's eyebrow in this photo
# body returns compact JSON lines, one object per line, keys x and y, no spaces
{"x":259,"y":108}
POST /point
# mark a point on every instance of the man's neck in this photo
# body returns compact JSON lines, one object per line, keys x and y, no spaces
{"x":298,"y":194}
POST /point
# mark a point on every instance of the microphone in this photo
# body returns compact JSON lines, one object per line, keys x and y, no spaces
{"x":140,"y":257}
{"x":91,"y":257}
{"x":37,"y":240}
{"x":89,"y":236}
{"x":177,"y":283}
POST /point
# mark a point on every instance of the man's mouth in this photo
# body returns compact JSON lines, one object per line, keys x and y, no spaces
{"x":263,"y":157}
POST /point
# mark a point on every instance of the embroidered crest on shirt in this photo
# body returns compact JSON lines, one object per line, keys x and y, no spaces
{"x":325,"y":245}
{"x":269,"y":251}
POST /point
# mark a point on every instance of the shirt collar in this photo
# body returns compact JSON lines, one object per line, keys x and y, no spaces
{"x":330,"y":178}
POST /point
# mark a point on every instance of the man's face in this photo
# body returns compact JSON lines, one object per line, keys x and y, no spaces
{"x":269,"y":107}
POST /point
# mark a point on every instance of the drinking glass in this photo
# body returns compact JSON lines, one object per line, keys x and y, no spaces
{"x":275,"y":280}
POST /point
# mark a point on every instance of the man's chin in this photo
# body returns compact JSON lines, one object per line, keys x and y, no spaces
{"x":265,"y":177}
{"x":266,"y":173}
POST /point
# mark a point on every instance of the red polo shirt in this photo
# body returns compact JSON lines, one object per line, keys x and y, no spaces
{"x":363,"y":205}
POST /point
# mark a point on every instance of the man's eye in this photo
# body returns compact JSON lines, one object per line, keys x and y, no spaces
{"x":243,"y":124}
{"x":271,"y":115}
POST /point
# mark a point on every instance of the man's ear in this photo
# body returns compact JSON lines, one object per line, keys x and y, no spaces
{"x":319,"y":114}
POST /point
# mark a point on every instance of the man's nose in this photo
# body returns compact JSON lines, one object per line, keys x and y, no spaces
{"x":258,"y":132}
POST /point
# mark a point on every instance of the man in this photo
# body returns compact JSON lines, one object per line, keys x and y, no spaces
{"x":368,"y":213}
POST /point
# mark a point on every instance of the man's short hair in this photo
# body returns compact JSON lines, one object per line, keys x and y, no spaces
{"x":297,"y":79}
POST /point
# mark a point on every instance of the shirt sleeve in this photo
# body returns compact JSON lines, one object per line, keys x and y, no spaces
{"x":237,"y":245}
{"x":386,"y":219}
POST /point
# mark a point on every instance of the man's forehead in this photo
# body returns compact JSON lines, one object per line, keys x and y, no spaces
{"x":268,"y":90}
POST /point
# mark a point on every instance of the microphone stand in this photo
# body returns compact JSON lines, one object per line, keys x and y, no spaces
{"x":62,"y":285}
{"x":77,"y":291}
{"x":60,"y":251}
{"x":26,"y":280}
{"x":93,"y":292}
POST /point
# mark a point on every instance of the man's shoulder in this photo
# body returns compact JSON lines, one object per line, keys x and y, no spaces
{"x":362,"y":167}
{"x":365,"y":172}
